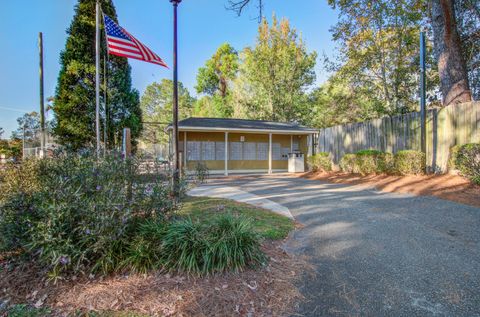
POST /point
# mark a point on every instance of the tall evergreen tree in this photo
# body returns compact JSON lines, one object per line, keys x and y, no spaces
{"x":75,"y":94}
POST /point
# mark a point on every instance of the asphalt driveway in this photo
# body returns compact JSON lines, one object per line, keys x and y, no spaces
{"x":378,"y":254}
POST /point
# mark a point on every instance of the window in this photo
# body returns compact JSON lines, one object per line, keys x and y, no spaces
{"x":249,"y":150}
{"x":262,"y":151}
{"x":254,"y":151}
{"x":236,"y":149}
{"x":208,"y":151}
{"x":193,"y":150}
{"x":220,"y":151}
{"x":276,"y":151}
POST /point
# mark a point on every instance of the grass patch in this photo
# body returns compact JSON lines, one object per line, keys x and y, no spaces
{"x":266,"y":223}
{"x":24,"y":310}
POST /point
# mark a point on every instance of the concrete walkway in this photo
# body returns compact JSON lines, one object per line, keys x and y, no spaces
{"x":376,"y":253}
{"x":235,"y":193}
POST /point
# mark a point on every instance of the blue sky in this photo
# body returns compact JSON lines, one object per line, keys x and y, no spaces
{"x":203,"y":26}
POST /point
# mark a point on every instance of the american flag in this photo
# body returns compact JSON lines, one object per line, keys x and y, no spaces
{"x":122,"y":43}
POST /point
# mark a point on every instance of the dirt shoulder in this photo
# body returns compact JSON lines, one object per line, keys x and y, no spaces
{"x":449,"y":187}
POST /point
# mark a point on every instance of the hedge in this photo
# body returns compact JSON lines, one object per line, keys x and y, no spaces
{"x":320,"y":162}
{"x":408,"y":162}
{"x":367,"y":162}
{"x":466,"y":159}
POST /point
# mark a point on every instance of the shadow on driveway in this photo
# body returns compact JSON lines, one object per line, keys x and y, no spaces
{"x":376,"y":253}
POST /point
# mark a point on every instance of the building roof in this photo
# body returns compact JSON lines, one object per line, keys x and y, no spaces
{"x":221,"y":124}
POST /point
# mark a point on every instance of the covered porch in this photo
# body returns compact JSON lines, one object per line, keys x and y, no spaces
{"x":227,"y":146}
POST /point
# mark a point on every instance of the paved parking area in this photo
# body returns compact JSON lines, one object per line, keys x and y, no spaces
{"x":375,"y":253}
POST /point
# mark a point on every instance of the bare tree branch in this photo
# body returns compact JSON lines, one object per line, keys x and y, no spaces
{"x":239,"y":5}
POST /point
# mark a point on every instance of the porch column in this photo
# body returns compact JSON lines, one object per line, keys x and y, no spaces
{"x":291,"y":143}
{"x":185,"y":150}
{"x":269,"y":153}
{"x":226,"y":153}
{"x":312,"y":139}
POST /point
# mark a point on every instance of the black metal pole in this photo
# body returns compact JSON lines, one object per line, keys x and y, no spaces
{"x":176,"y":162}
{"x":422,"y":94}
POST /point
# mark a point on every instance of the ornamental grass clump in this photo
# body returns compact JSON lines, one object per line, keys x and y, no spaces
{"x":409,"y":162}
{"x":78,"y":214}
{"x":227,"y":243}
{"x":320,"y":162}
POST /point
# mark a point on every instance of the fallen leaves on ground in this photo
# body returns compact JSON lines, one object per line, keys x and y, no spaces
{"x":264,"y":291}
{"x":446,"y":186}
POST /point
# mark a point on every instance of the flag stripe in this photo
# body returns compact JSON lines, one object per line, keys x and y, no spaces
{"x":119,"y":48}
{"x":133,"y":55}
{"x":122,"y":43}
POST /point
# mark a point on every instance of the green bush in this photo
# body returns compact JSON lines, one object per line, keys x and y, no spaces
{"x":347,"y":163}
{"x":467,"y":160}
{"x":201,"y":172}
{"x":226,"y":243}
{"x":373,"y":161}
{"x":320,"y":162}
{"x":77,"y":213}
{"x":453,"y":157}
{"x":144,"y":251}
{"x":409,"y":162}
{"x":367,"y":162}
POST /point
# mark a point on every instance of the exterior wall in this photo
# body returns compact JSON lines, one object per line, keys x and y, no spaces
{"x":204,"y":136}
{"x":261,"y":165}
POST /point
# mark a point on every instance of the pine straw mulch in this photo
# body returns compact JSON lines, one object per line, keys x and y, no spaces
{"x":445,"y":186}
{"x":265,"y":291}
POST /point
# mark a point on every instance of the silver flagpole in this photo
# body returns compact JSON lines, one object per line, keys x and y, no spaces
{"x":97,"y":75}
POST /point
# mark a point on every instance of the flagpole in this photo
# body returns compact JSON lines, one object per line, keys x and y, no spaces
{"x":42,"y":99}
{"x":97,"y":75}
{"x":105,"y":134}
{"x":176,"y":162}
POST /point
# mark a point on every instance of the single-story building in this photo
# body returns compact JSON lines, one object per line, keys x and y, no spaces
{"x":241,"y":146}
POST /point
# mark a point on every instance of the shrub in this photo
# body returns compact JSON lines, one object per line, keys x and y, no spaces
{"x":226,"y":243}
{"x":468,"y":161}
{"x":80,"y":214}
{"x":373,"y":161}
{"x":347,"y":163}
{"x":409,"y":162}
{"x":201,"y":172}
{"x":320,"y":162}
{"x":367,"y":162}
{"x":453,"y":157}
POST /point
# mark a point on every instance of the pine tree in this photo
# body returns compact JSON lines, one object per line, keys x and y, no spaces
{"x":75,"y":94}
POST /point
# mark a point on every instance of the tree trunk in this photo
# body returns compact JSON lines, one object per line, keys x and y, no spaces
{"x":448,"y":51}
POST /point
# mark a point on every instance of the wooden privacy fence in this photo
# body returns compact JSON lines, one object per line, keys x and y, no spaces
{"x":446,"y":127}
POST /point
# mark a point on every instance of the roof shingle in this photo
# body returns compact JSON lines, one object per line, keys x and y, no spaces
{"x":241,"y":124}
